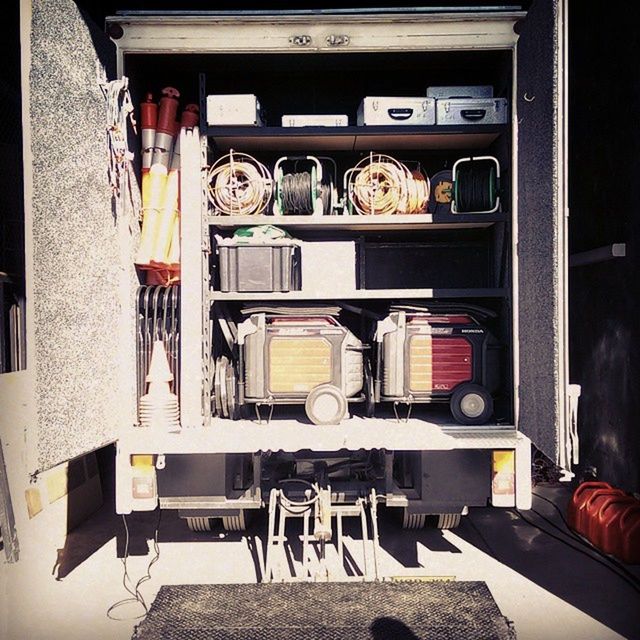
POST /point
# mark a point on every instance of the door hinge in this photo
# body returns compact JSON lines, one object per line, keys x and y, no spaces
{"x":300,"y":41}
{"x":338,"y":40}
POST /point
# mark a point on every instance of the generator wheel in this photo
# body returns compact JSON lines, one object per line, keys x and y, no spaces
{"x":231,"y":387}
{"x":413,"y":520}
{"x":198,"y":523}
{"x":326,"y":404}
{"x":235,"y":523}
{"x":448,"y":520}
{"x":471,"y":404}
{"x":217,"y":391}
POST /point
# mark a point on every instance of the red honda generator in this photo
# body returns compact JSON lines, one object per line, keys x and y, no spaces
{"x":425,"y":356}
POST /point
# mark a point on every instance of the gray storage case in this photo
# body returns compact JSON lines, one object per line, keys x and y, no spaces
{"x":259,"y":267}
{"x":472,"y":111}
{"x":462,"y":91}
{"x":390,"y":111}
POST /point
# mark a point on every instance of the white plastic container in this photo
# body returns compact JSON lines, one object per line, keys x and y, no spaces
{"x":315,"y":121}
{"x":233,"y":110}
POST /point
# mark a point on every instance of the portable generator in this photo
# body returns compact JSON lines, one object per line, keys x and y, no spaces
{"x":424,"y":357}
{"x":308,"y":359}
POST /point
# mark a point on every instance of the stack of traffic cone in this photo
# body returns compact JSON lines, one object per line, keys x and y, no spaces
{"x":159,"y":408}
{"x":159,"y":250}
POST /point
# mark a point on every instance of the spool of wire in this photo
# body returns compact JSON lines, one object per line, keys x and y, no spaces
{"x":476,"y":185}
{"x":307,"y":192}
{"x":381,"y":185}
{"x":239,"y":185}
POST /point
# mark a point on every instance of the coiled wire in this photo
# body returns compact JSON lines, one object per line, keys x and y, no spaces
{"x":239,"y":185}
{"x":381,"y":185}
{"x":475,"y":186}
{"x":297,"y":193}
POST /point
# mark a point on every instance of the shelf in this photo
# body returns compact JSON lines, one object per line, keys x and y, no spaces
{"x":380,"y":138}
{"x":359,"y":294}
{"x":244,"y":436}
{"x":365,"y":223}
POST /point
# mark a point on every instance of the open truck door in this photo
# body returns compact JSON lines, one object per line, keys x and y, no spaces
{"x":79,"y":274}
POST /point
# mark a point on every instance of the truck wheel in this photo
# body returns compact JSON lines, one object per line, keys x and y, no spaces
{"x":448,"y":520}
{"x":471,"y":404}
{"x":199,"y":523}
{"x":413,"y":520}
{"x":235,"y":523}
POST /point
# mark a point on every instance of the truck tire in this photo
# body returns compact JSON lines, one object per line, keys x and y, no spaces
{"x":471,"y":404}
{"x":448,"y":520}
{"x":235,"y":523}
{"x":199,"y":524}
{"x":413,"y":520}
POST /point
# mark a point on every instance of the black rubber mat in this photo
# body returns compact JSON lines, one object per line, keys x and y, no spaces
{"x":326,"y":611}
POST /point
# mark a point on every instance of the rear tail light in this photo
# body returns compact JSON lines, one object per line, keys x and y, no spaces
{"x":503,"y":479}
{"x":143,"y":477}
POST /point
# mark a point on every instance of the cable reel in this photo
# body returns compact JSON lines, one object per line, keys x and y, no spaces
{"x":476,"y":185}
{"x":239,"y":185}
{"x":381,"y":185}
{"x":307,"y":192}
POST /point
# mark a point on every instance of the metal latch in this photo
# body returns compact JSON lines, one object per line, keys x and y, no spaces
{"x":337,"y":40}
{"x":300,"y":41}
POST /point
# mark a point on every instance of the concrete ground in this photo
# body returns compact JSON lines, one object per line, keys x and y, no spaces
{"x":547,"y":589}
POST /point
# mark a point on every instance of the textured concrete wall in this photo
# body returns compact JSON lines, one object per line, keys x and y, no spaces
{"x":604,"y":194}
{"x":539,"y":256}
{"x":76,"y":270}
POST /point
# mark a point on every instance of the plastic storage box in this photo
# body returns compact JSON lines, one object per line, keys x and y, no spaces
{"x":315,"y":121}
{"x":269,"y":266}
{"x":239,"y":110}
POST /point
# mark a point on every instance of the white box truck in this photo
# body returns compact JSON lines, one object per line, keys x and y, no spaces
{"x":463,"y":309}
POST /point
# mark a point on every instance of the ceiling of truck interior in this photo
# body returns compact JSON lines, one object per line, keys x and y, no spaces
{"x":98,"y":9}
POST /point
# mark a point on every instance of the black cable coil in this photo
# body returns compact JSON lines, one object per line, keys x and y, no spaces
{"x":297,"y":194}
{"x":476,"y":187}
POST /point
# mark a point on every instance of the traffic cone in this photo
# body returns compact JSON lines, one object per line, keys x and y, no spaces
{"x":159,"y":408}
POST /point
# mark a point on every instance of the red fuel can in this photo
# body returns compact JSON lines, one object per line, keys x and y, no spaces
{"x":630,"y":536}
{"x":579,"y":498}
{"x":587,"y":516}
{"x":606,"y":531}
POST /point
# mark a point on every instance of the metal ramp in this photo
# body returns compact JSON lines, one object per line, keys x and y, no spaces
{"x":326,"y":611}
{"x":318,"y":510}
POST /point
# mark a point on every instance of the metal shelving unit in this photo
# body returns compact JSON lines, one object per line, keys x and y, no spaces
{"x":380,"y":138}
{"x":361,"y":294}
{"x":427,"y":221}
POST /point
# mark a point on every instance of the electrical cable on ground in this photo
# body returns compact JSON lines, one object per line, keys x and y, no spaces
{"x":631,"y":583}
{"x":576,"y":536}
{"x":134,"y":590}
